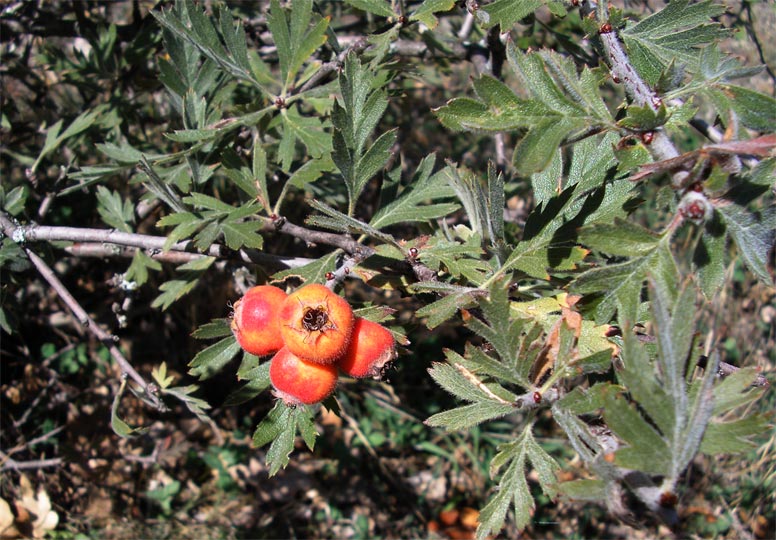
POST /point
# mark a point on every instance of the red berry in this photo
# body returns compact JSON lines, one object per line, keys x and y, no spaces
{"x":371,"y":348}
{"x":316,"y":324}
{"x":299,"y":382}
{"x":255,"y":320}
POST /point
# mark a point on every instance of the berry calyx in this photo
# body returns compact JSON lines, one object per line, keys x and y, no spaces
{"x":255,"y":321}
{"x":316,"y":324}
{"x":298,"y":382}
{"x":371,"y":348}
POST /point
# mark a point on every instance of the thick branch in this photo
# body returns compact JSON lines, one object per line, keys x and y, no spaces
{"x":36,"y":233}
{"x":252,"y":256}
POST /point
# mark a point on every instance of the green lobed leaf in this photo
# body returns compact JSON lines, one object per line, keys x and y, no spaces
{"x":207,"y":236}
{"x":259,"y":381}
{"x":283,"y":444}
{"x":546,"y":184}
{"x":271,"y":425}
{"x":701,"y":410}
{"x":638,"y":376}
{"x":311,"y":171}
{"x":138,"y":269}
{"x":209,"y":361}
{"x":336,"y":220}
{"x":234,"y":38}
{"x":195,"y":405}
{"x":375,"y":158}
{"x":673,"y":34}
{"x":13,"y":202}
{"x":313,"y":272}
{"x":249,"y":366}
{"x":674,"y":338}
{"x":307,"y":129}
{"x":242,"y":234}
{"x":754,"y":236}
{"x":175,"y":289}
{"x":502,"y":371}
{"x":586,"y":400}
{"x":513,"y":484}
{"x":545,"y":466}
{"x":709,"y":257}
{"x":494,"y":93}
{"x":411,"y":205}
{"x":622,"y":283}
{"x":376,"y":7}
{"x":584,"y":490}
{"x":470,"y":415}
{"x":735,"y":436}
{"x":513,"y":487}
{"x":214,"y":329}
{"x":736,"y":390}
{"x":454,"y":381}
{"x":80,"y":123}
{"x":306,"y":426}
{"x":445,"y":308}
{"x":114,"y":211}
{"x":426,"y":11}
{"x":502,"y":331}
{"x":647,"y":451}
{"x":189,"y":30}
{"x":753,"y":109}
{"x":506,"y":13}
{"x":581,"y":439}
{"x":354,"y":117}
{"x":536,"y":149}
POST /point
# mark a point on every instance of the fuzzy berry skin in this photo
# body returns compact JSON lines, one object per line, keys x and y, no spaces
{"x":298,"y":382}
{"x":316,"y":324}
{"x":255,"y":322}
{"x":371,"y":348}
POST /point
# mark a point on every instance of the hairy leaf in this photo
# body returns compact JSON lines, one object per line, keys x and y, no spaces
{"x":673,"y":34}
{"x":209,"y":361}
{"x":411,"y":205}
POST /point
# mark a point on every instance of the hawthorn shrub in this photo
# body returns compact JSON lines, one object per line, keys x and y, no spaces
{"x":566,"y":183}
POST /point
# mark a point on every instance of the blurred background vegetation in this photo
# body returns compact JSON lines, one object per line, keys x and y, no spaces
{"x":377,"y":470}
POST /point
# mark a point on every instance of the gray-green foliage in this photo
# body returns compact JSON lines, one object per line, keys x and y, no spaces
{"x":302,"y":127}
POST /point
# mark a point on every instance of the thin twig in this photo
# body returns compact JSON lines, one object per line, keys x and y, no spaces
{"x":82,"y":316}
{"x":11,"y":464}
{"x":36,"y":440}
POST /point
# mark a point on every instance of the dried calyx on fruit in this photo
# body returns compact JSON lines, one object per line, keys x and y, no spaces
{"x":255,"y":321}
{"x":371,"y":350}
{"x":299,"y":382}
{"x":316,"y":324}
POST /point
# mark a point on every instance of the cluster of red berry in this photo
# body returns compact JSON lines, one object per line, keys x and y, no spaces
{"x":314,"y":335}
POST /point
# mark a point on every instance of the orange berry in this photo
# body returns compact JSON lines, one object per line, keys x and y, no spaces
{"x":316,"y":324}
{"x":371,"y":348}
{"x":299,"y":382}
{"x":255,"y":321}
